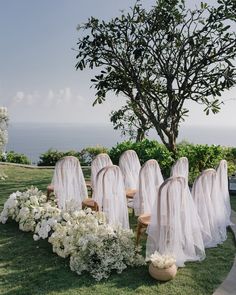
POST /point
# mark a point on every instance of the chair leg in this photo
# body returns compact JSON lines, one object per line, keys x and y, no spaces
{"x":139,"y":231}
{"x":48,"y":193}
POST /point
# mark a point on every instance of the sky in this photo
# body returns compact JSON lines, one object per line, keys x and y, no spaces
{"x":38,"y":80}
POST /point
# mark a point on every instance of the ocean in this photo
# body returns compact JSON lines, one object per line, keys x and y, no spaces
{"x":33,"y":139}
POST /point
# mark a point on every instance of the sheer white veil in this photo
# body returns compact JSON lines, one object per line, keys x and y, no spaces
{"x":69,"y":184}
{"x":110,"y":195}
{"x":130,"y":167}
{"x":150,"y":179}
{"x":210,"y":208}
{"x":175,"y":228}
{"x":222,"y":177}
{"x":100,"y":161}
{"x":180,"y":168}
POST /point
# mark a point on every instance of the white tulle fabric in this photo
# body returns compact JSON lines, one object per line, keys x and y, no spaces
{"x":100,"y":161}
{"x":210,"y":208}
{"x":130,"y":167}
{"x":175,"y":227}
{"x":222,"y":178}
{"x":180,"y":168}
{"x":110,"y":195}
{"x":150,"y":179}
{"x":69,"y":184}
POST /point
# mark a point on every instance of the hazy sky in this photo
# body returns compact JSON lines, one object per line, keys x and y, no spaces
{"x":38,"y":80}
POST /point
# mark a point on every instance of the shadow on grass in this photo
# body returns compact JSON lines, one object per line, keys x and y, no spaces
{"x":30,"y":267}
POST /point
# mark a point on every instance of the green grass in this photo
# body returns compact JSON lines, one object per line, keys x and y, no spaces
{"x":28,"y":267}
{"x":233,"y":202}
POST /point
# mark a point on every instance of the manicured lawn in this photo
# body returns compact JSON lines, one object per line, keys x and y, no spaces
{"x":233,"y":202}
{"x":28,"y":267}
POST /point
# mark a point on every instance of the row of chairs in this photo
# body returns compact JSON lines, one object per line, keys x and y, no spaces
{"x":178,"y":221}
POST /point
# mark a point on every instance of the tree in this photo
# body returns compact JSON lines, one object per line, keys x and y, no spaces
{"x":131,"y":121}
{"x":161,"y":58}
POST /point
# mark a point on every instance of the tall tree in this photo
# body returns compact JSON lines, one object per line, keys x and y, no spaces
{"x":131,"y":122}
{"x":161,"y":58}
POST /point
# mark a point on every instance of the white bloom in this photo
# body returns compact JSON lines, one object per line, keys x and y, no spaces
{"x":162,"y":261}
{"x":35,"y":237}
{"x":66,"y":216}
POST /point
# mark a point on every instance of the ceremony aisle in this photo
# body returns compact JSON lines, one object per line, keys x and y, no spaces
{"x":30,"y":267}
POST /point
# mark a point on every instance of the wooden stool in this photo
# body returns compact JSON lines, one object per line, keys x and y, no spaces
{"x":143,"y":222}
{"x":90,"y":203}
{"x":50,"y":189}
{"x":130,"y":195}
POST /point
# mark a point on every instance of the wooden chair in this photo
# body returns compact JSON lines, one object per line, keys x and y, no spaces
{"x":143,"y":222}
{"x":90,"y":203}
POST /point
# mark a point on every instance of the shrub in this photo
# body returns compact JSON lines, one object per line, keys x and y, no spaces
{"x":50,"y":157}
{"x":202,"y":156}
{"x":86,"y":156}
{"x":13,"y":157}
{"x":89,"y":153}
{"x":146,"y":149}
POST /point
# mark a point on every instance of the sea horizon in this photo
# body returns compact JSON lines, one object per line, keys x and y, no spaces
{"x":32,"y":138}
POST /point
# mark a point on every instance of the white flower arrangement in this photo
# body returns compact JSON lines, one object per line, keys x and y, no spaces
{"x":162,"y":261}
{"x":84,"y":236}
{"x":23,"y":207}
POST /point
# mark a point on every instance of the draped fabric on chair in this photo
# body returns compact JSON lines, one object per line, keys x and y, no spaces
{"x":180,"y":168}
{"x":210,"y":206}
{"x":130,"y":167}
{"x":110,"y":195}
{"x":69,"y":184}
{"x":175,"y":228}
{"x":100,"y":161}
{"x":222,"y":178}
{"x":150,"y":179}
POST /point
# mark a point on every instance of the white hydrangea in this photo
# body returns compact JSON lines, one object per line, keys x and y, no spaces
{"x":84,"y":236}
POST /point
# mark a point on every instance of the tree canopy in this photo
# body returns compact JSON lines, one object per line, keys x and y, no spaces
{"x":160,"y":58}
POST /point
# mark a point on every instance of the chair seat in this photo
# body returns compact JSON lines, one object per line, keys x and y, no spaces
{"x":130,"y":193}
{"x":88,"y":202}
{"x":144,"y":219}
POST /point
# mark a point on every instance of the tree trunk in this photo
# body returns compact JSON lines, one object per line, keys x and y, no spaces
{"x":140,"y":135}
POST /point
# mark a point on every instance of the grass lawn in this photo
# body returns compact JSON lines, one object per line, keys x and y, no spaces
{"x":28,"y":267}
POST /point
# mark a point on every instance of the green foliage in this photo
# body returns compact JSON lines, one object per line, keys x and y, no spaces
{"x":86,"y":156}
{"x":13,"y":157}
{"x":50,"y":157}
{"x":200,"y":157}
{"x":89,"y":153}
{"x":146,"y":149}
{"x":159,"y":58}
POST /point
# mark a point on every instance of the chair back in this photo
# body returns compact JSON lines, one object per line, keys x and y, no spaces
{"x":180,"y":168}
{"x":110,"y":195}
{"x":175,"y":227}
{"x":100,"y":161}
{"x":130,"y":167}
{"x":69,"y":184}
{"x":210,"y":207}
{"x":150,"y":179}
